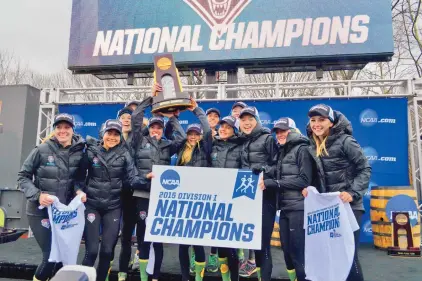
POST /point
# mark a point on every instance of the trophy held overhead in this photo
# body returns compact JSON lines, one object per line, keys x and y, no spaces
{"x":172,"y":98}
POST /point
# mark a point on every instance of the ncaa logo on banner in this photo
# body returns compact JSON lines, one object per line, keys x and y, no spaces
{"x":403,"y":203}
{"x":369,"y":118}
{"x":245,"y":185}
{"x":367,"y":228}
{"x":170,"y":180}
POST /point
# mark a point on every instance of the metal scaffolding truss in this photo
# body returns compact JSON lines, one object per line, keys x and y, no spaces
{"x":412,"y":89}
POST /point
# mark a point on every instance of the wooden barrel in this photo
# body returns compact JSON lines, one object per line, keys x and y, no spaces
{"x":381,"y":225}
{"x":275,"y":237}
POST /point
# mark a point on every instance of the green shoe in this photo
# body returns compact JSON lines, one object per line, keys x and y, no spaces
{"x":192,"y":264}
{"x":212,"y":265}
{"x":121,"y":276}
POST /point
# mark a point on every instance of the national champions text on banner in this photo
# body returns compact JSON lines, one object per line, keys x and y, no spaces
{"x":205,"y":206}
{"x":200,"y":32}
{"x":379,"y":125}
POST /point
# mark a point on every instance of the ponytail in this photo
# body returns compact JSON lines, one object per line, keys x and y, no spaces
{"x":48,"y":137}
{"x":321,"y":150}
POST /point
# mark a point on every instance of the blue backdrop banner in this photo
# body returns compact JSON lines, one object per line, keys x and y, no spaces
{"x":379,"y":125}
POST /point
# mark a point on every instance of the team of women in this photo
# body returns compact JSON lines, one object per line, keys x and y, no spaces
{"x":113,"y":174}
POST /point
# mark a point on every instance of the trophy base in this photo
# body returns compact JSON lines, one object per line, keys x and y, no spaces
{"x":180,"y":102}
{"x":409,"y":252}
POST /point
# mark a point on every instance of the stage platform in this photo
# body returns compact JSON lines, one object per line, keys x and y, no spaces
{"x":19,"y":259}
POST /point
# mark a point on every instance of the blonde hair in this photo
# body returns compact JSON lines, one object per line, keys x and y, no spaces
{"x":48,"y":137}
{"x":321,"y":149}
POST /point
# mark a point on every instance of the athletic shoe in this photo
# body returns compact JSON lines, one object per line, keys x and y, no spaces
{"x":247,"y":269}
{"x":134,"y":263}
{"x":192,"y":264}
{"x":121,"y":276}
{"x":212,"y":265}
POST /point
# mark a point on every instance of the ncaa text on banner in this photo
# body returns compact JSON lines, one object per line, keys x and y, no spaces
{"x":204,"y":30}
{"x":205,"y":206}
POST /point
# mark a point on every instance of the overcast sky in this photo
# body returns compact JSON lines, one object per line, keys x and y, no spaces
{"x":36,"y":31}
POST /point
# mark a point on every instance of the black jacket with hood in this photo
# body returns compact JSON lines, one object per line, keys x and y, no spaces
{"x":292,"y":172}
{"x":226,"y":153}
{"x":149,"y":151}
{"x":202,"y":150}
{"x":53,"y":169}
{"x":107,"y":170}
{"x":258,"y":150}
{"x":345,"y":168}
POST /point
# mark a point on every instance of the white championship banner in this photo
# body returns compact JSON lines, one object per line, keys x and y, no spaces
{"x":205,"y":206}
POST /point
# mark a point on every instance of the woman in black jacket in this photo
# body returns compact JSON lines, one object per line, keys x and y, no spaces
{"x":292,"y":172}
{"x":149,"y":150}
{"x":195,"y":152}
{"x":257,"y":152}
{"x":226,"y":151}
{"x":341,"y":165}
{"x":55,"y":166}
{"x":109,"y":164}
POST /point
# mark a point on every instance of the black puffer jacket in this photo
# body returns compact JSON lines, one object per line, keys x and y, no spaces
{"x":148,"y":150}
{"x":56,"y":171}
{"x":202,"y":151}
{"x":292,"y":173}
{"x":258,"y":151}
{"x":226,"y":154}
{"x":106,"y":172}
{"x":345,"y":168}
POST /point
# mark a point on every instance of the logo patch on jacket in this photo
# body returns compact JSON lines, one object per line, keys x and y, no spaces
{"x":45,"y":223}
{"x":50,"y":161}
{"x":214,"y":156}
{"x":143,"y":215}
{"x":90,"y":217}
{"x":96,"y":162}
{"x":148,"y":146}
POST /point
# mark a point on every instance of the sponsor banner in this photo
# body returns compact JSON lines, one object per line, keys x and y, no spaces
{"x":235,"y":31}
{"x":379,"y":125}
{"x":204,"y":206}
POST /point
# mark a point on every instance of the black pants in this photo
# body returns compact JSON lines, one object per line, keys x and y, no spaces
{"x":185,"y":258}
{"x":232,"y":261}
{"x":356,"y":273}
{"x":263,"y":256}
{"x":135,"y":211}
{"x":292,"y":238}
{"x":110,"y":222}
{"x":40,"y":226}
{"x":213,"y":250}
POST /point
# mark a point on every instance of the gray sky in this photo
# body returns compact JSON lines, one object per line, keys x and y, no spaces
{"x":36,"y":31}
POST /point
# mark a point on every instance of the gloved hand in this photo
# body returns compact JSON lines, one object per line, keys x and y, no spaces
{"x":257,"y":170}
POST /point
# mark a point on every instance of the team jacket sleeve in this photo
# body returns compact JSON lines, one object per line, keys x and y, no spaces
{"x":207,"y":133}
{"x":271,"y":149}
{"x":132,"y":176}
{"x":356,"y":157}
{"x":25,"y":176}
{"x":137,"y":121}
{"x":175,"y":133}
{"x":81,"y":174}
{"x":301,"y":181}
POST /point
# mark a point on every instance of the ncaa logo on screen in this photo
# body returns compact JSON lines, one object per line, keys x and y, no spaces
{"x":369,"y":118}
{"x":170,"y":180}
